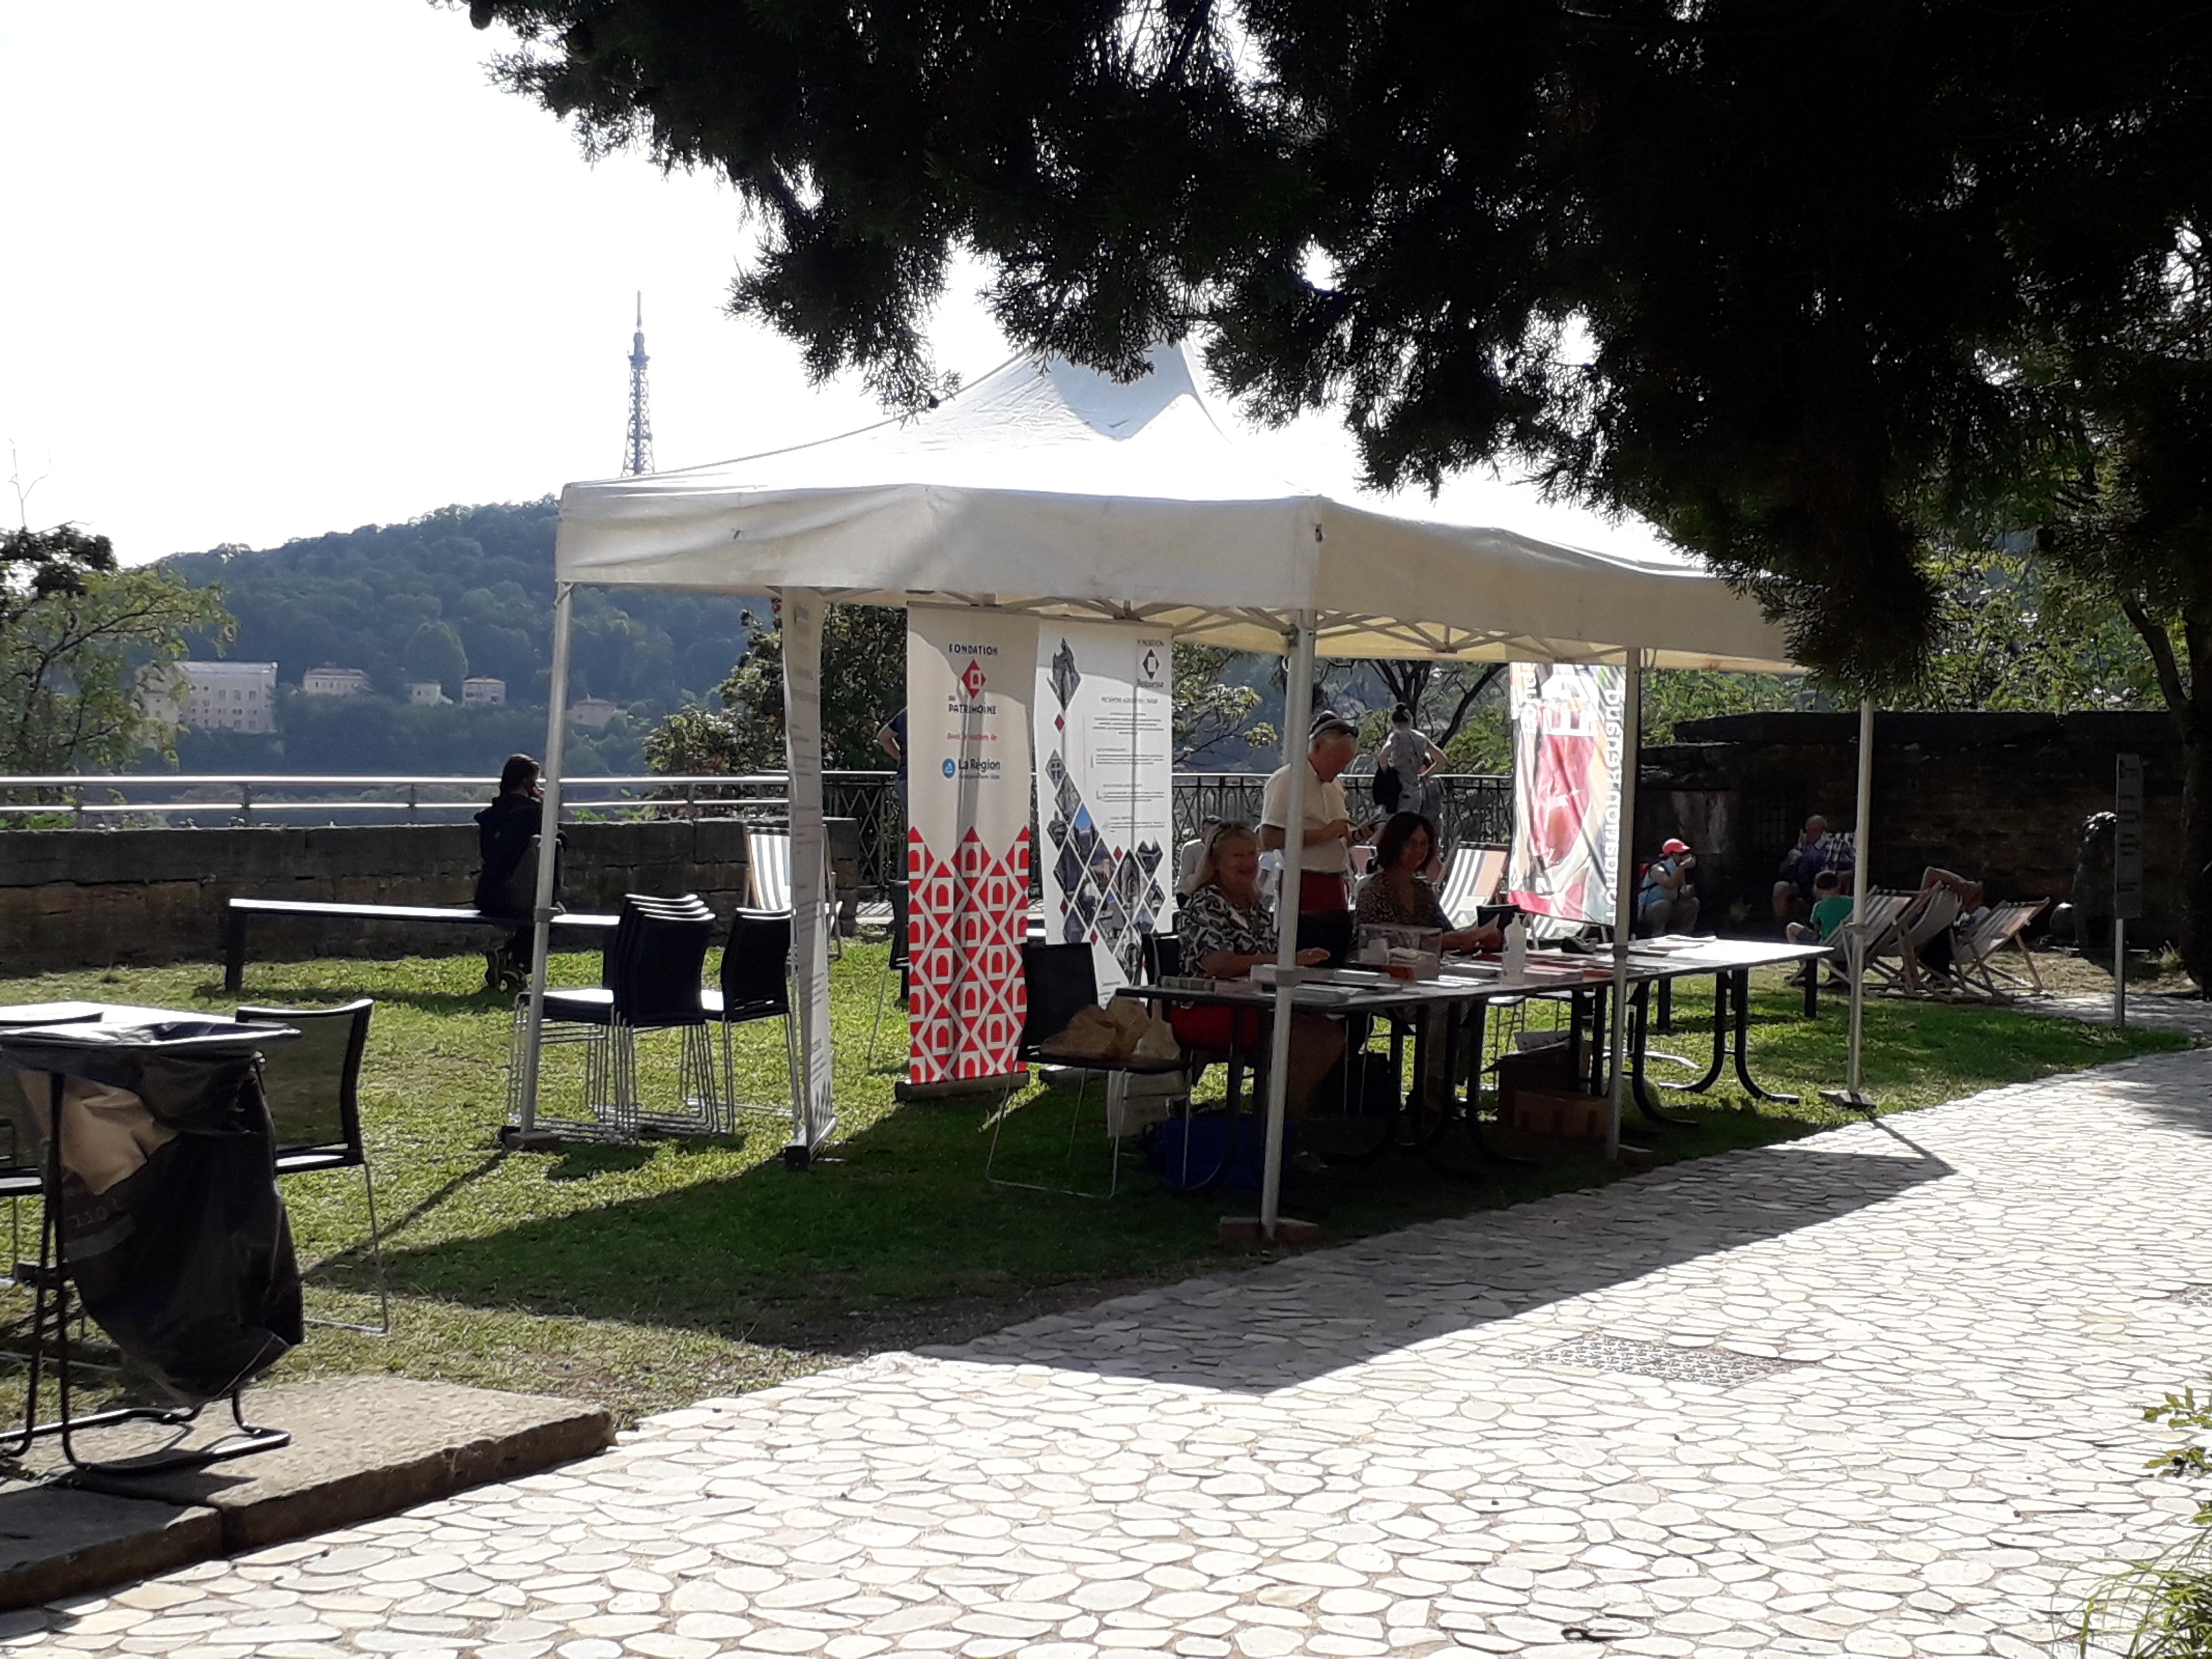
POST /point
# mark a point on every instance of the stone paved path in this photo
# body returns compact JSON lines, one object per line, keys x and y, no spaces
{"x":1887,"y":1404}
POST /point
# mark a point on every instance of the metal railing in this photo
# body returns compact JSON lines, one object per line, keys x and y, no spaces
{"x":1467,"y":806}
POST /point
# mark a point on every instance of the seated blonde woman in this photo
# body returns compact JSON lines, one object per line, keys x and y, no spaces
{"x":1227,"y":929}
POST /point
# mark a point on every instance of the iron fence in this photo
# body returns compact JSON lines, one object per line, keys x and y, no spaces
{"x":1468,"y":807}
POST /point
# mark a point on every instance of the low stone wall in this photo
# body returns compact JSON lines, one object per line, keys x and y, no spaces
{"x":1998,"y":796}
{"x":93,"y":898}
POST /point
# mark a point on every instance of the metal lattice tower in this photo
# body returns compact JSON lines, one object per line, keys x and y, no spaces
{"x":637,"y":450}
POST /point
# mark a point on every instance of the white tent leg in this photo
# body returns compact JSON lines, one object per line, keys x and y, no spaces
{"x":1856,"y":938}
{"x":548,"y":840}
{"x":815,"y":1119}
{"x":1298,"y":689}
{"x":1623,"y":909}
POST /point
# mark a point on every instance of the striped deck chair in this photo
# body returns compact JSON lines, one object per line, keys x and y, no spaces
{"x":768,"y":879}
{"x":1977,"y":961}
{"x":1884,"y":910}
{"x":1925,"y":915}
{"x":1471,"y":881}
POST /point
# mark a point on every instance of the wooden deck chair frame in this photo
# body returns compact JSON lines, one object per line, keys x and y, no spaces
{"x":1979,"y":963}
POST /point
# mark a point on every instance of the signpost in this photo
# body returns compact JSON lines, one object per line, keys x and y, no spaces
{"x":2127,"y":871}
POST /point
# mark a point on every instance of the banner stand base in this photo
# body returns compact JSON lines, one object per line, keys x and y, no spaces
{"x":1844,"y":1100}
{"x":953,"y":1088}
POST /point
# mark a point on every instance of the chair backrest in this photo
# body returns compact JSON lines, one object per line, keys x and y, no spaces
{"x":768,"y":868}
{"x":1471,"y":881}
{"x":315,"y":1084}
{"x":1937,"y":909}
{"x":2000,"y":925}
{"x":1062,"y":980}
{"x":1163,"y":957}
{"x":654,"y":965}
{"x":756,"y":966}
{"x":1879,"y":932}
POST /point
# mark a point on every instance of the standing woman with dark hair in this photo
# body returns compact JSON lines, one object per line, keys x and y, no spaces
{"x":507,"y":885}
{"x":1403,"y":764}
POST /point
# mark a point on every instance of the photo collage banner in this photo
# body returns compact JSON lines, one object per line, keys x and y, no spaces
{"x":1105,"y":756}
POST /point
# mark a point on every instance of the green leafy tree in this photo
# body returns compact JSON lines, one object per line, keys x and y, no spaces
{"x":435,"y":652}
{"x":863,"y":685}
{"x":75,"y":632}
{"x":1212,"y":712}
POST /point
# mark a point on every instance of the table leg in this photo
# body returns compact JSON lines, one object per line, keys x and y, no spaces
{"x":1719,"y":1042}
{"x":1665,"y":1025}
{"x":1741,"y":976}
{"x":1639,"y":1025}
{"x":234,"y":950}
{"x":1457,"y":1110}
{"x":1813,"y":990}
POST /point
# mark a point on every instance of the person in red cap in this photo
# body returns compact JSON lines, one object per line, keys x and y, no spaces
{"x":1666,"y":902}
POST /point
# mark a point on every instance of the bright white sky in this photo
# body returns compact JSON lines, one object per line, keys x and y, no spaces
{"x":276,"y":268}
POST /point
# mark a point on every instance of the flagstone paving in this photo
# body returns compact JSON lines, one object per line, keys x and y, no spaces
{"x":1882,"y":1397}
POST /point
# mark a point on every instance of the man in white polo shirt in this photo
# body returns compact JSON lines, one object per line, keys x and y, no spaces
{"x":1324,"y":860}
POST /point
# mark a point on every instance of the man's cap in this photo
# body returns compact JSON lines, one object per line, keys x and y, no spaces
{"x":1675,"y":847}
{"x":1328,"y":723}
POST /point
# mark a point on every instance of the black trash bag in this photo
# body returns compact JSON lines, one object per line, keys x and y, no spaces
{"x":187,"y":1262}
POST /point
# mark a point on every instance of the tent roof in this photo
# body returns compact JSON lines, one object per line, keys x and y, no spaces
{"x":1050,"y":488}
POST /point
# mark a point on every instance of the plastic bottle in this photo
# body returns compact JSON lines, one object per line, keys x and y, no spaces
{"x":1516,"y":949}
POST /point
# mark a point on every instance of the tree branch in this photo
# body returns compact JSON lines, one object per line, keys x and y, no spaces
{"x":2160,"y":642}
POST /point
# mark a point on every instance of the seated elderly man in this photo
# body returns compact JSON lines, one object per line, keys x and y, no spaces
{"x":1816,"y":849}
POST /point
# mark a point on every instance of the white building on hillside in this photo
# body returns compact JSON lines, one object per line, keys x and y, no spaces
{"x":593,"y":714}
{"x":212,"y":697}
{"x":482,"y":690}
{"x":425,"y":691}
{"x":328,"y":681}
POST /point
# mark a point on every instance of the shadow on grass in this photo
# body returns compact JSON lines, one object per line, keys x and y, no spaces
{"x":896,"y":1239}
{"x":325,"y":996}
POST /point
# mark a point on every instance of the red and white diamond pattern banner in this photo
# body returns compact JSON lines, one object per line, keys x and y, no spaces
{"x":967,"y":677}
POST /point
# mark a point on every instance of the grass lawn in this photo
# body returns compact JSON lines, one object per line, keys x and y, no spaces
{"x":648,"y":1276}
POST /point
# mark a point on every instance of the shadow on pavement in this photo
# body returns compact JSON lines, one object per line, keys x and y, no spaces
{"x":1304,"y":1318}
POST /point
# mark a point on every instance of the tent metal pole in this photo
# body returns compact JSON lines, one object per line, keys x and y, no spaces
{"x":1624,"y":911}
{"x":1856,"y":937}
{"x":1298,"y":688}
{"x":549,"y":856}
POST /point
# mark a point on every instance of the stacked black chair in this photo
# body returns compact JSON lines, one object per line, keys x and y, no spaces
{"x":1062,"y":980}
{"x":756,"y":985}
{"x":314,"y":1085}
{"x":650,"y":981}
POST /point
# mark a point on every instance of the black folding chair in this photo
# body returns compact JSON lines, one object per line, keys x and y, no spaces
{"x":1062,"y":980}
{"x":314,"y":1087}
{"x":756,"y":985}
{"x":650,"y":981}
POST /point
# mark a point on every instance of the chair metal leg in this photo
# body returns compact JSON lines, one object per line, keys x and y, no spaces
{"x":376,"y":1250}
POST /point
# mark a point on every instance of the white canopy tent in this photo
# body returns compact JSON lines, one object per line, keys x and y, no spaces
{"x":1051,"y":489}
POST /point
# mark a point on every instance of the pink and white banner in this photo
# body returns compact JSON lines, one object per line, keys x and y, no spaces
{"x":968,"y":680}
{"x":1566,"y":790}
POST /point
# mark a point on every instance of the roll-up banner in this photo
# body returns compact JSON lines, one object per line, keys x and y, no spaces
{"x":1566,"y":790}
{"x":967,"y":678}
{"x":1105,"y":777}
{"x":814,"y":1108}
